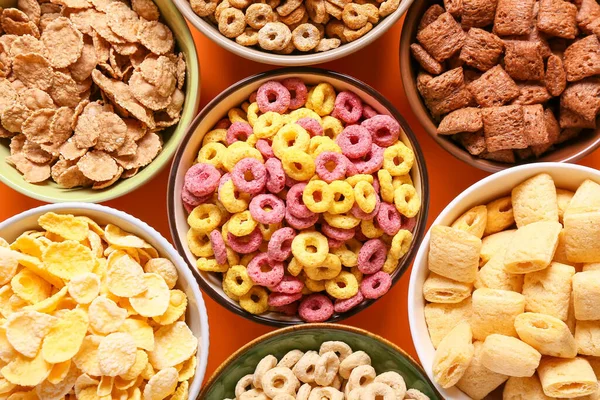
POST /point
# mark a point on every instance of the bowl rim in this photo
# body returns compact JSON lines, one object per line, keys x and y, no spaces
{"x":421,"y":258}
{"x":193,"y":79}
{"x":313,"y":327}
{"x":418,"y":107}
{"x":165,"y":246}
{"x":265,"y":57}
{"x":273,"y":74}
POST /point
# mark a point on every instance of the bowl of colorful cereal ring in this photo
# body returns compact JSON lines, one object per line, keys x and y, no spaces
{"x":501,"y":292}
{"x":298,"y":195}
{"x":293,"y":32}
{"x":95,"y":97}
{"x":96,"y":303}
{"x":318,"y":361}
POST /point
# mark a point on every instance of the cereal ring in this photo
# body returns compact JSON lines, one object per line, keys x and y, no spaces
{"x":290,"y":359}
{"x":332,"y":127}
{"x":310,"y":248}
{"x":249,"y":175}
{"x":268,"y":124}
{"x":218,"y":245}
{"x":232,"y":200}
{"x":328,"y":269}
{"x":409,"y":223}
{"x":370,"y":229}
{"x":334,"y":243}
{"x":275,"y":175}
{"x":202,"y":179}
{"x":303,"y":112}
{"x":354,"y":34}
{"x":395,"y":381}
{"x":312,"y":286}
{"x":389,"y":219}
{"x":398,"y":159}
{"x":279,"y":380}
{"x":238,"y":131}
{"x":376,"y":285}
{"x":343,"y":221}
{"x":265,"y":272}
{"x":306,"y":37}
{"x":315,"y":308}
{"x":300,"y":223}
{"x":327,"y":368}
{"x":204,"y":218}
{"x":232,"y":22}
{"x":266,"y":364}
{"x":257,"y":15}
{"x":272,"y":95}
{"x":237,"y":280}
{"x":211,"y":153}
{"x":245,"y":244}
{"x":360,"y":214}
{"x":248,"y":38}
{"x":321,"y":99}
{"x":191,"y":201}
{"x":372,"y":256}
{"x":267,"y":231}
{"x":343,"y":286}
{"x":296,"y":17}
{"x":294,"y":267}
{"x":256,"y":301}
{"x":342,"y":306}
{"x":317,"y":196}
{"x":280,"y":245}
{"x":368,"y":112}
{"x":353,"y":180}
{"x":241,"y":224}
{"x":290,"y":136}
{"x":353,"y":16}
{"x":330,"y":166}
{"x":304,"y":369}
{"x":216,"y":135}
{"x":210,"y":265}
{"x":351,"y":169}
{"x":365,"y":196}
{"x":386,"y":188}
{"x":355,"y":141}
{"x":311,"y":125}
{"x":297,"y":90}
{"x":407,"y":200}
{"x":288,"y":285}
{"x":236,"y":115}
{"x":295,"y":203}
{"x":291,"y":310}
{"x":353,"y":361}
{"x":384,"y":129}
{"x":371,"y":162}
{"x":224,"y":123}
{"x":343,"y":197}
{"x":204,"y":8}
{"x":378,"y":390}
{"x":341,"y":349}
{"x":267,"y":209}
{"x":283,"y":299}
{"x":297,"y":164}
{"x":243,"y":385}
{"x":348,"y":107}
{"x":316,"y":11}
{"x":319,"y":144}
{"x":337,"y":233}
{"x":264,"y":146}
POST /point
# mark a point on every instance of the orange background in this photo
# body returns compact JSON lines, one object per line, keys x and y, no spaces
{"x":447,"y":176}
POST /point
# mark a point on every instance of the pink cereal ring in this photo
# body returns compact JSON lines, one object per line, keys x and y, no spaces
{"x":337,"y":233}
{"x":368,"y":111}
{"x":225,"y":123}
{"x":384,"y":129}
{"x":265,"y":149}
{"x":288,"y":285}
{"x":254,"y":168}
{"x":348,"y":107}
{"x":351,"y":169}
{"x":275,"y":175}
{"x":298,"y":92}
{"x":355,"y":141}
{"x":311,"y":125}
{"x":280,"y":245}
{"x":300,"y":223}
{"x":260,"y":213}
{"x":371,"y":256}
{"x":238,"y":131}
{"x":252,"y":97}
{"x":264,"y":272}
{"x":342,"y":306}
{"x":218,"y":245}
{"x":376,"y":185}
{"x":376,"y":285}
{"x":359,"y":235}
{"x":371,"y":162}
{"x":188,"y":207}
{"x":192,"y":200}
{"x":334,"y":243}
{"x":245,"y":244}
{"x":316,"y":308}
{"x":409,"y":223}
{"x":283,"y":299}
{"x":389,"y":219}
{"x":325,"y":161}
{"x":295,"y":204}
{"x":202,"y":179}
{"x":360,"y":214}
{"x":290,"y":310}
{"x":273,"y":96}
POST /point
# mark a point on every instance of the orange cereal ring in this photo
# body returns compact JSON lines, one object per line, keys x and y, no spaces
{"x":248,"y":38}
{"x":306,"y":37}
{"x":328,"y":44}
{"x":232,"y":22}
{"x":353,"y":34}
{"x":274,"y":36}
{"x":353,"y":16}
{"x":204,"y":8}
{"x":335,"y":29}
{"x":288,"y":7}
{"x":258,"y":15}
{"x":316,"y":10}
{"x":298,"y":16}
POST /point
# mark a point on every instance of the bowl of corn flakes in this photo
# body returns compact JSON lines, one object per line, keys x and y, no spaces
{"x":293,"y":32}
{"x":298,"y":195}
{"x":501,"y":292}
{"x":95,"y":96}
{"x":95,"y":303}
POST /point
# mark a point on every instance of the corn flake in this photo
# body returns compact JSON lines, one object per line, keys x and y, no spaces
{"x":125,"y":277}
{"x":63,"y":41}
{"x":65,"y":225}
{"x":173,"y":344}
{"x":141,"y":332}
{"x":68,"y":259}
{"x":84,"y":288}
{"x":25,"y":371}
{"x":161,"y":385}
{"x":182,"y":391}
{"x":59,"y":372}
{"x":155,"y":300}
{"x":66,"y":336}
{"x":25,"y":331}
{"x":177,"y":305}
{"x":87,"y":357}
{"x":56,"y":391}
{"x":105,"y":315}
{"x":9,"y":262}
{"x":116,"y":354}
{"x":30,"y":287}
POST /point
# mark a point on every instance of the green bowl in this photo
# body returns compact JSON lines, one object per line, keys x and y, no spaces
{"x":385,"y":356}
{"x":50,"y":192}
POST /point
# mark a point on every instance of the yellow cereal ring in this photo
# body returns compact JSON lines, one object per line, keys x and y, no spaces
{"x":252,"y":139}
{"x":205,"y":218}
{"x":225,"y":231}
{"x":354,"y":179}
{"x":252,"y":113}
{"x":237,"y":280}
{"x":343,"y":286}
{"x":232,"y":257}
{"x":303,"y":113}
{"x":343,"y":197}
{"x":368,"y":228}
{"x":317,"y":196}
{"x":245,"y":106}
{"x":267,"y":125}
{"x":397,"y":181}
{"x":365,"y":196}
{"x":267,"y":230}
{"x":398,"y":159}
{"x":241,"y":224}
{"x":295,"y":267}
{"x":310,"y":248}
{"x":332,"y":127}
{"x":328,"y":269}
{"x":401,"y":243}
{"x":391,"y":264}
{"x":343,"y":221}
{"x":255,"y":301}
{"x":246,"y":258}
{"x":232,"y":200}
{"x":199,"y":243}
{"x":238,"y":151}
{"x":228,"y":293}
{"x":357,"y":273}
{"x":407,"y":200}
{"x":298,"y":165}
{"x":386,"y":187}
{"x":320,"y":144}
{"x":210,"y":265}
{"x":346,"y":256}
{"x":290,"y":136}
{"x":313,"y":286}
{"x":211,"y":153}
{"x":321,"y":99}
{"x":216,"y":135}
{"x":236,"y":115}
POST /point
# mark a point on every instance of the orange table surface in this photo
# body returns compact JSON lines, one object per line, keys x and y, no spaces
{"x":378,"y":66}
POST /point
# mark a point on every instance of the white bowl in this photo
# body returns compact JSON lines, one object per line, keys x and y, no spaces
{"x":212,"y":32}
{"x":566,"y":176}
{"x":196,"y":316}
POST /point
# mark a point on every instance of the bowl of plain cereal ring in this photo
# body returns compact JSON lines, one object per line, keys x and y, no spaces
{"x":320,"y":361}
{"x":94,"y":303}
{"x":298,"y":195}
{"x":95,"y":95}
{"x":502,"y":295}
{"x":293,"y":32}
